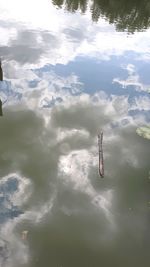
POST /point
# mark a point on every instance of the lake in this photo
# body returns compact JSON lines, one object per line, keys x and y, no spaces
{"x":69,"y":71}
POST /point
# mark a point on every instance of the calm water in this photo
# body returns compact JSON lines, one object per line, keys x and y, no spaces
{"x":71,"y":69}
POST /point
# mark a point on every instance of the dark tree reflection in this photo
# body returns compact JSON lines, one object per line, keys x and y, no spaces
{"x":72,"y":5}
{"x":1,"y":79}
{"x":1,"y":110}
{"x":127,"y":15}
{"x":1,"y":72}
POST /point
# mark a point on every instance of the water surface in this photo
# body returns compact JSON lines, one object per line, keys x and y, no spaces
{"x":70,"y":70}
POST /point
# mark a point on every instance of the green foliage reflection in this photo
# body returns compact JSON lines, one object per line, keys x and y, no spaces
{"x":127,"y":15}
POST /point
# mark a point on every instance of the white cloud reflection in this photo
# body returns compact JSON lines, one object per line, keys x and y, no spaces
{"x":62,"y":153}
{"x":16,"y":190}
{"x":33,"y":41}
{"x":74,"y":169}
{"x":133,"y":79}
{"x":75,"y":159}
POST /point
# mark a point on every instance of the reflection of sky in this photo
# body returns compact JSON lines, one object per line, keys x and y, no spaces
{"x":93,"y":53}
{"x":99,"y":74}
{"x":62,"y":82}
{"x":7,"y":210}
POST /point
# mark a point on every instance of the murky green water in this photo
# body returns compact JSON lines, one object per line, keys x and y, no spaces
{"x":68,"y":71}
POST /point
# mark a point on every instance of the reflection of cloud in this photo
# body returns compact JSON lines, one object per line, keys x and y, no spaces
{"x":42,"y":88}
{"x":51,"y":89}
{"x":37,"y":88}
{"x":74,"y":169}
{"x":63,"y":152}
{"x":31,"y":41}
{"x":16,"y":187}
{"x":141,"y":103}
{"x":17,"y":251}
{"x":132,"y":80}
{"x":28,"y":46}
{"x":62,"y":155}
{"x":16,"y":191}
{"x":61,"y":135}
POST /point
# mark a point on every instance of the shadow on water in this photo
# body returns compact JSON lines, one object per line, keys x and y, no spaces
{"x":127,"y":15}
